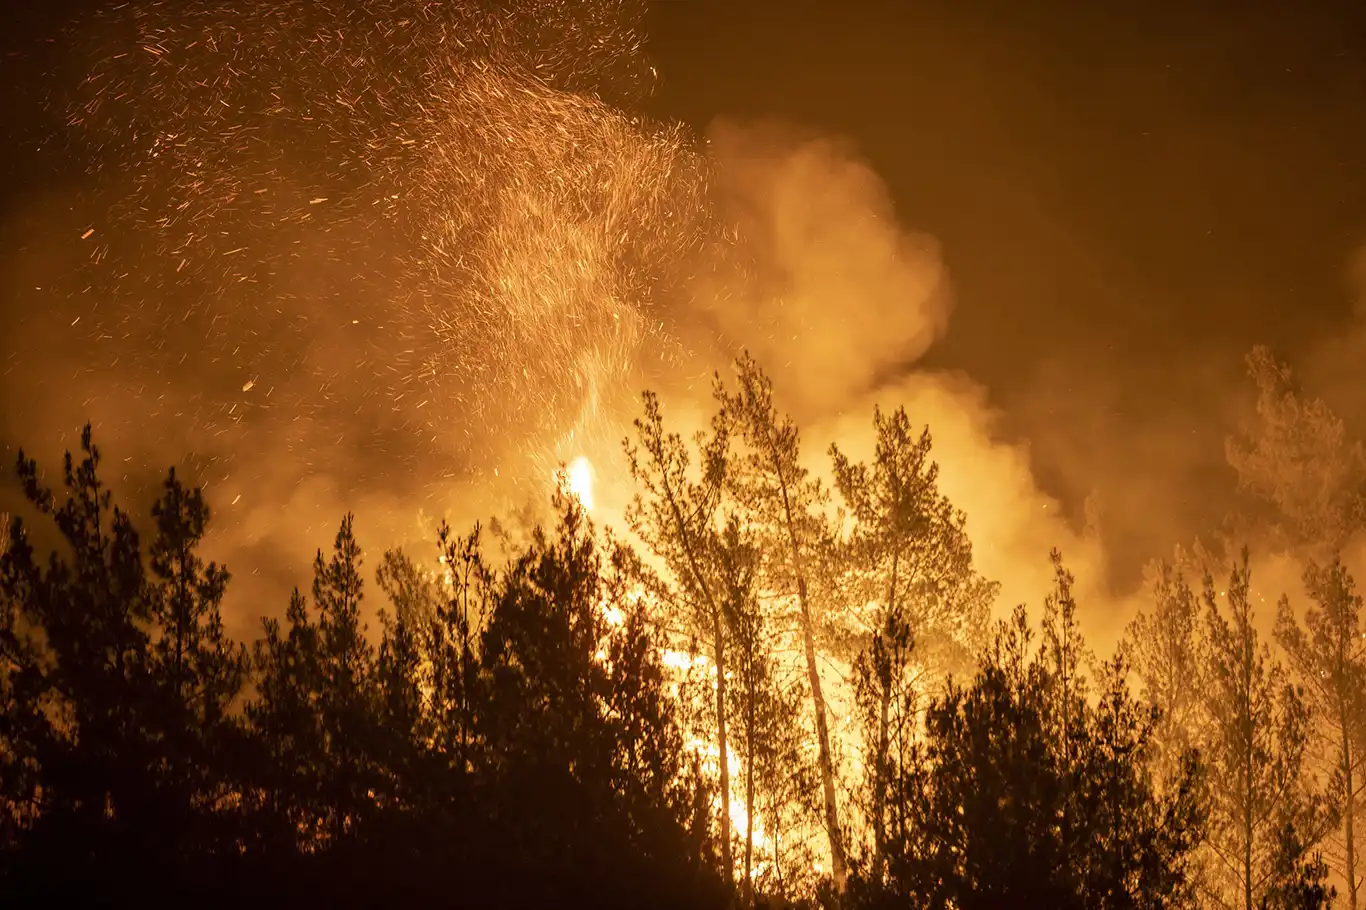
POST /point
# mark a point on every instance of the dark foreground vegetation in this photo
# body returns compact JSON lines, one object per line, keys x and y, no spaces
{"x":511,"y":736}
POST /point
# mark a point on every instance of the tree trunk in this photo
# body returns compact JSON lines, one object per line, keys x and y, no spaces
{"x":880,"y":786}
{"x":719,"y":652}
{"x":182,"y":609}
{"x":723,"y":761}
{"x":777,"y":850}
{"x":749,"y":790}
{"x":1248,"y":788}
{"x":1348,"y":811}
{"x":880,"y":782}
{"x":827,"y":768}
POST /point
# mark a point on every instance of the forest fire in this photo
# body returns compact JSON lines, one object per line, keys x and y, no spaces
{"x":722,"y":606}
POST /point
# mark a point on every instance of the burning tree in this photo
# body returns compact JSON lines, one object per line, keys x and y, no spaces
{"x":676,"y":517}
{"x":765,"y":710}
{"x":782,"y":505}
{"x":910,"y":559}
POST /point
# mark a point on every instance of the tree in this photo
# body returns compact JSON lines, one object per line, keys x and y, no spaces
{"x":885,"y":697}
{"x":451,"y":648}
{"x":1257,"y":738}
{"x":585,"y":757}
{"x":910,"y":557}
{"x":1328,"y":656}
{"x":284,"y":719}
{"x":782,"y":505}
{"x":1064,"y":656}
{"x":415,"y":597}
{"x":199,"y":666}
{"x":196,"y":672}
{"x":77,"y":642}
{"x":118,"y":685}
{"x":316,"y":704}
{"x":675,"y":516}
{"x":910,"y":547}
{"x":1164,"y":646}
{"x":345,"y":678}
{"x":1298,"y":880}
{"x":1005,"y":813}
{"x":767,"y":715}
{"x":1299,"y":457}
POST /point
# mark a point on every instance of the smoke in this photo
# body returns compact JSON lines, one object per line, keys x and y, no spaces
{"x":838,"y":300}
{"x":837,"y":293}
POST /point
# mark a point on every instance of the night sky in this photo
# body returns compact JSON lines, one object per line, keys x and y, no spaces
{"x":1128,"y":196}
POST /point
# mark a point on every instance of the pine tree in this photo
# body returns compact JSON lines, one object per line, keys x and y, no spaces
{"x":1299,"y":457}
{"x":1165,"y":648}
{"x":910,"y":556}
{"x":196,"y":670}
{"x":1257,"y":738}
{"x":403,"y":726}
{"x":414,"y":596}
{"x":585,"y":755}
{"x":737,"y":562}
{"x":345,"y":668}
{"x":782,"y":504}
{"x":1008,"y":813}
{"x":675,"y":516}
{"x":118,"y":685}
{"x":284,"y":718}
{"x":1328,"y":656}
{"x":451,"y":645}
{"x":81,"y":713}
{"x":885,"y":696}
{"x":1299,"y":880}
{"x":766,"y":714}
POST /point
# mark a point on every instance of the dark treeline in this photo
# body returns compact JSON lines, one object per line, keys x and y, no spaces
{"x":512,"y":735}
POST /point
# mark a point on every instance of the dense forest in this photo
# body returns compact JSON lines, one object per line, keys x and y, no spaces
{"x":592,"y":722}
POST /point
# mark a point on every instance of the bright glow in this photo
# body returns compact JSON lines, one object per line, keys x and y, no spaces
{"x":579,"y":479}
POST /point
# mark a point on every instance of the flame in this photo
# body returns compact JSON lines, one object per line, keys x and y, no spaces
{"x":579,"y":481}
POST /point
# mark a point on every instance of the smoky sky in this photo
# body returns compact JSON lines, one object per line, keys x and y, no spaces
{"x":1122,"y":200}
{"x":1127,"y":196}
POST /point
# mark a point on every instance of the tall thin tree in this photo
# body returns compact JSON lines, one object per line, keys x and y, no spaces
{"x":1164,"y":647}
{"x":1328,"y":655}
{"x":1257,"y":739}
{"x":675,"y":515}
{"x":783,"y":505}
{"x":911,"y":558}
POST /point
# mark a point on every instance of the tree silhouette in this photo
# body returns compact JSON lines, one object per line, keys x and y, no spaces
{"x":1007,"y":814}
{"x":118,"y":690}
{"x":510,"y":736}
{"x":1298,"y":880}
{"x":577,"y":723}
